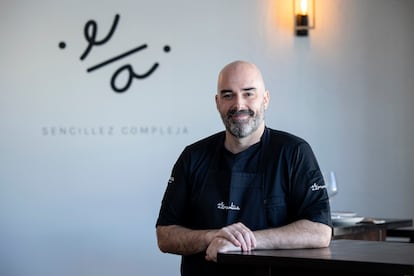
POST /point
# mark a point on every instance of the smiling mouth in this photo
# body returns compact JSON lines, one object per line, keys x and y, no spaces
{"x":240,"y":114}
{"x":240,"y":117}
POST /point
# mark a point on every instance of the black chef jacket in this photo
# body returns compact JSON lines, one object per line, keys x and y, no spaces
{"x":270,"y":184}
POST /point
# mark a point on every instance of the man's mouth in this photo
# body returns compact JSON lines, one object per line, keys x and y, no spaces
{"x":240,"y":115}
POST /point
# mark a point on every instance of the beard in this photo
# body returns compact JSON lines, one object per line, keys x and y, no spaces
{"x":243,"y":128}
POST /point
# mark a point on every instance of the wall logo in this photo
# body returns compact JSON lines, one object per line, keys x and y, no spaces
{"x":90,"y":32}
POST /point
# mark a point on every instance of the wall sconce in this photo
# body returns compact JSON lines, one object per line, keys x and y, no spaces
{"x":304,"y":12}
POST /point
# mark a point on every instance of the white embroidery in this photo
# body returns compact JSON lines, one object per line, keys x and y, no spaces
{"x":171,"y":180}
{"x":224,"y":207}
{"x":316,"y":187}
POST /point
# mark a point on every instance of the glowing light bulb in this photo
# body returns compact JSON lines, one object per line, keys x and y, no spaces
{"x":304,"y":7}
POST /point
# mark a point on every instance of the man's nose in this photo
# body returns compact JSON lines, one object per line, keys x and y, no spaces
{"x":239,"y":102}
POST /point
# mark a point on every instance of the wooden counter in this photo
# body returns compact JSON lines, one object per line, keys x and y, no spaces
{"x":342,"y":257}
{"x":369,"y":230}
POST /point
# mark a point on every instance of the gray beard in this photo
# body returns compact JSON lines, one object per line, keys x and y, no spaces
{"x":244,"y":128}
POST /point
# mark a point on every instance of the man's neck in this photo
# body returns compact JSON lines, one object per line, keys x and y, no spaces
{"x":236,"y":145}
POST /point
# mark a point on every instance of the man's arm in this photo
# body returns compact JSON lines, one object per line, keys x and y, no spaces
{"x":180,"y":240}
{"x":299,"y":234}
{"x":183,"y":241}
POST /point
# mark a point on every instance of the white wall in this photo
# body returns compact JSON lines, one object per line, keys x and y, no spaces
{"x":86,"y":204}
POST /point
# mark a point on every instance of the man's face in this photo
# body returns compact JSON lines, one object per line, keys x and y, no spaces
{"x":241,"y":99}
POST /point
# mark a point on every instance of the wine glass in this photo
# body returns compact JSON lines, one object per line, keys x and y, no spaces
{"x":330,"y":183}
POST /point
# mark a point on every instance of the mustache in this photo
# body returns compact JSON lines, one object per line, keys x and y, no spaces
{"x":235,"y":112}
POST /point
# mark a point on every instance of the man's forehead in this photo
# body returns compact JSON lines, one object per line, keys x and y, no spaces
{"x":239,"y":82}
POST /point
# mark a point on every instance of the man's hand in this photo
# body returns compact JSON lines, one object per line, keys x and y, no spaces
{"x":239,"y":235}
{"x":233,"y":237}
{"x":219,"y":245}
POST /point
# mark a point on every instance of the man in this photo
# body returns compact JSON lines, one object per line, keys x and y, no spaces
{"x":250,"y":187}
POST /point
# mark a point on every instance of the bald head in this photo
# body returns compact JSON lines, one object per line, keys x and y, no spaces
{"x":242,"y":100}
{"x":240,"y":72}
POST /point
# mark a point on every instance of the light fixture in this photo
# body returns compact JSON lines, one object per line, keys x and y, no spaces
{"x":304,"y":12}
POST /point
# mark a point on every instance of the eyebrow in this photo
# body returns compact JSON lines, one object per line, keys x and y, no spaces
{"x":223,"y":91}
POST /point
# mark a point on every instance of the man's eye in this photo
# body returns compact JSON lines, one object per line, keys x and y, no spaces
{"x":249,"y":94}
{"x":227,"y":96}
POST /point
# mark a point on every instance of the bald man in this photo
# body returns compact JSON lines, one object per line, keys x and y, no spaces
{"x":248,"y":187}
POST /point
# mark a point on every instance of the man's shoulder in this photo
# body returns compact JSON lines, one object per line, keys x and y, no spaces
{"x":283,"y":137}
{"x":201,"y":152}
{"x":207,"y":143}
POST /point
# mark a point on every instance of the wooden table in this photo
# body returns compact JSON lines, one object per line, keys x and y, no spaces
{"x":342,"y":257}
{"x":369,"y":230}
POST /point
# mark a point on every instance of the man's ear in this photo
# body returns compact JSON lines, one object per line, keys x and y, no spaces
{"x":266,"y":98}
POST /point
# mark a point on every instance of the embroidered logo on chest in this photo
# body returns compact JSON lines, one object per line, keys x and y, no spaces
{"x":232,"y":206}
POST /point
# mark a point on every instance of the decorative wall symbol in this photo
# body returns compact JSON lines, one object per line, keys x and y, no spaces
{"x":90,"y":33}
